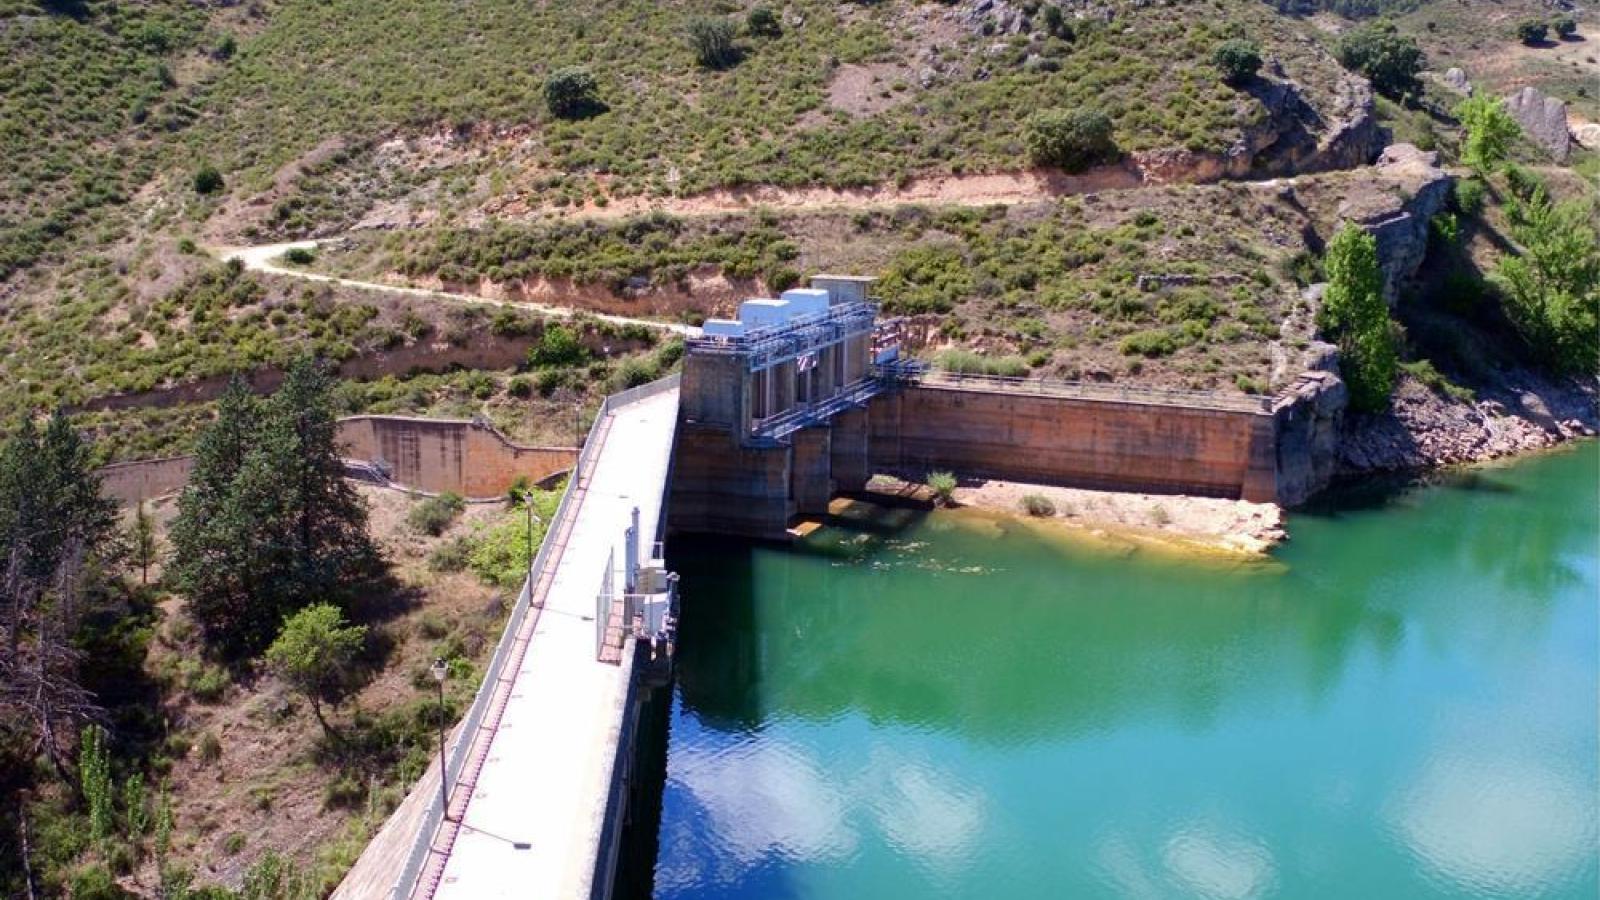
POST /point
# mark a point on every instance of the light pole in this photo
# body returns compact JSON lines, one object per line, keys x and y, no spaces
{"x":527,"y":504}
{"x":438,"y":670}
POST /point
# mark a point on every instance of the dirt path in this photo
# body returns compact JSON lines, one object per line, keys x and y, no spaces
{"x":261,"y":259}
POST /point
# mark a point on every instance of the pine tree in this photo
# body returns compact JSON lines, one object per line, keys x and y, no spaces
{"x":267,"y":523}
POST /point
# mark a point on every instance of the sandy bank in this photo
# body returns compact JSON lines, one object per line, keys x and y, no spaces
{"x":1197,"y":523}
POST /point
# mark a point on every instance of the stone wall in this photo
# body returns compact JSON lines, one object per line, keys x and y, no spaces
{"x":1306,"y":421}
{"x":431,"y":455}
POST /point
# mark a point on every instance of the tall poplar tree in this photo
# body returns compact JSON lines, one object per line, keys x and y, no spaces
{"x":1355,"y":314}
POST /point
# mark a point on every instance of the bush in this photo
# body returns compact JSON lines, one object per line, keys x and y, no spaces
{"x":1565,"y":27}
{"x":1551,"y":290}
{"x":434,"y":514}
{"x":344,"y":792}
{"x":207,"y":683}
{"x":520,"y":387}
{"x":966,"y":362}
{"x":1423,"y":371}
{"x":210,"y":748}
{"x":1038,"y":505}
{"x":762,"y":22}
{"x":1532,"y":31}
{"x":1468,"y":197}
{"x":451,"y":556}
{"x":633,"y":372}
{"x":1073,"y":139}
{"x":300,"y":256}
{"x":1490,"y":132}
{"x":712,"y":42}
{"x":1150,"y":343}
{"x":1388,"y":60}
{"x":943,"y":485}
{"x":1237,"y":60}
{"x":95,"y":882}
{"x":207,"y":180}
{"x":558,"y":347}
{"x":571,"y":93}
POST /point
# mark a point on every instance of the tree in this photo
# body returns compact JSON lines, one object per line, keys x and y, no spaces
{"x":558,"y":347}
{"x":207,"y":180}
{"x":571,"y":93}
{"x":1237,"y":60}
{"x":314,"y":654}
{"x":1490,"y":132}
{"x":267,"y":521}
{"x":712,"y":42}
{"x":1532,"y":31}
{"x":1056,"y":24}
{"x":1389,"y":60}
{"x":763,"y":22}
{"x":1552,"y":289}
{"x":58,"y":541}
{"x":1565,"y":27}
{"x":142,"y":542}
{"x":1355,"y":314}
{"x":1071,"y":139}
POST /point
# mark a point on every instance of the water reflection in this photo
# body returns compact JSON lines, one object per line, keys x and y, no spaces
{"x":1404,"y":707}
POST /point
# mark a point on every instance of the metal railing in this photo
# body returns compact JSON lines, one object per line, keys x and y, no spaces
{"x":602,"y":603}
{"x":769,"y":345}
{"x":801,"y":415}
{"x":455,"y":759}
{"x":920,"y":374}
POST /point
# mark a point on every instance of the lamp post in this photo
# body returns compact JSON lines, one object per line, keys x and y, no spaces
{"x":527,"y":504}
{"x":439,"y":670}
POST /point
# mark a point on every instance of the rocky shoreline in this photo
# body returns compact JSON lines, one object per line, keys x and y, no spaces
{"x":1423,"y":429}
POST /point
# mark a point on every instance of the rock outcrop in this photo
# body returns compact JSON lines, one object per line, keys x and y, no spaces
{"x":1456,"y":80}
{"x":1307,"y":418}
{"x":1407,"y":189}
{"x":1543,"y":120}
{"x":1587,"y":136}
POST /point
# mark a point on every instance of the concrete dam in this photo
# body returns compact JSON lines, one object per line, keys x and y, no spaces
{"x":801,"y":398}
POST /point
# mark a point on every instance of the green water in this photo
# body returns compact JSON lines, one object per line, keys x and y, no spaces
{"x":1403,"y":704}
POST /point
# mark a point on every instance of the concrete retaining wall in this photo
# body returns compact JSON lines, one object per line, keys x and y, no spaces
{"x":1072,"y":441}
{"x":432,"y":455}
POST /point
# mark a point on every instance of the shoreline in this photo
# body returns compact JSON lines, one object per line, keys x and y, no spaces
{"x":1174,"y":522}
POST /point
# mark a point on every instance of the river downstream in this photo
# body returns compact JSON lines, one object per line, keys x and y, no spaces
{"x":1400,"y":703}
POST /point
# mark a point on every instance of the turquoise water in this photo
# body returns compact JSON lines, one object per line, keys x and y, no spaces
{"x":1402,"y":704}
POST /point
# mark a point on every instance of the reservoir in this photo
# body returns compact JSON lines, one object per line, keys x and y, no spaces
{"x":1401,"y":702}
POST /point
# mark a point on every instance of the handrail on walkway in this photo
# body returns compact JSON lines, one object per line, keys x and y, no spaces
{"x":456,"y":758}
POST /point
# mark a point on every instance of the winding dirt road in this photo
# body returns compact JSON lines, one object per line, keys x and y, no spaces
{"x":262,"y":259}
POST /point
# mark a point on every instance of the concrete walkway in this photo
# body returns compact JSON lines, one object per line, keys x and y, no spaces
{"x":546,"y":772}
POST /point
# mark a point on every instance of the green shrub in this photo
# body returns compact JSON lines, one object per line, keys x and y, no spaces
{"x":711,"y":40}
{"x":1355,"y":314}
{"x":207,"y":180}
{"x":520,"y":387}
{"x":300,"y":256}
{"x":1565,"y":27}
{"x":95,"y":882}
{"x":558,"y":347}
{"x":345,"y":792}
{"x":207,"y":683}
{"x":1532,"y":31}
{"x":1423,"y":371}
{"x":1389,"y":60}
{"x":233,"y":843}
{"x":571,"y":93}
{"x":209,"y":748}
{"x":1038,"y":505}
{"x":966,"y":362}
{"x":1467,"y":197}
{"x":761,"y":21}
{"x":1072,"y":140}
{"x":1237,"y":60}
{"x":1490,"y":132}
{"x":943,"y":486}
{"x":433,"y":515}
{"x":451,"y":556}
{"x":1551,"y":290}
{"x":1150,"y":343}
{"x":633,"y":372}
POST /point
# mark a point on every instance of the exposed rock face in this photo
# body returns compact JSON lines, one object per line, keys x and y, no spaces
{"x":1296,"y":138}
{"x":1422,"y":429}
{"x":1396,"y":207}
{"x":1308,"y":416}
{"x":1544,"y":119}
{"x":1456,"y":80}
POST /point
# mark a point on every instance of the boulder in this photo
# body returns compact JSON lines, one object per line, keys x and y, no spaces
{"x":1395,"y":204}
{"x":1456,"y":80}
{"x":1587,"y":136}
{"x":1543,"y":119}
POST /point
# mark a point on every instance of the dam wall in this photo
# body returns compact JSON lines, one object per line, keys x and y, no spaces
{"x":468,"y":457}
{"x":1270,"y":450}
